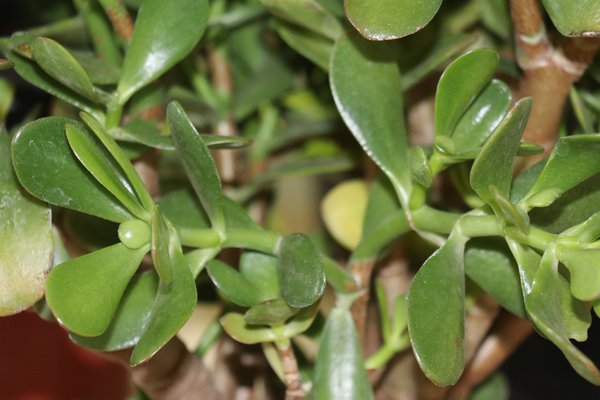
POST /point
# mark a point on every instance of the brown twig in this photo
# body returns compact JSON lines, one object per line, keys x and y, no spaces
{"x":291,"y":373}
{"x":171,"y":374}
{"x":119,"y":18}
{"x":549,"y":70}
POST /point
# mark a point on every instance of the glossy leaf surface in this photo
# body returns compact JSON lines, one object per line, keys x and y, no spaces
{"x":575,"y":18}
{"x":130,"y":318}
{"x":165,"y":32}
{"x":176,"y":297}
{"x":198,"y":163}
{"x":262,"y":271}
{"x":84,"y":292}
{"x":436,"y":312}
{"x":544,"y":308}
{"x":301,"y":274}
{"x":573,"y":160}
{"x":584,"y":272}
{"x":26,"y":241}
{"x":56,"y":176}
{"x":364,"y":74}
{"x":233,"y":286}
{"x":62,"y":66}
{"x":459,"y":85}
{"x":494,"y":164}
{"x":390,"y":19}
{"x":339,"y":368}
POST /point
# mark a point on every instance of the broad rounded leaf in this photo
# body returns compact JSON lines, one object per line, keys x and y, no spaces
{"x":301,"y":274}
{"x":26,"y":243}
{"x":459,"y":85}
{"x":436,"y":312}
{"x":48,"y":169}
{"x":165,"y":32}
{"x":343,"y":210}
{"x":390,"y":19}
{"x":575,"y":18}
{"x":262,"y":271}
{"x":339,"y":369}
{"x":367,"y":89}
{"x":232,"y":285}
{"x":84,"y":293}
{"x":584,"y":271}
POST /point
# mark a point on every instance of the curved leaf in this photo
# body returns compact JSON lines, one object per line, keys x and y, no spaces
{"x":56,"y":176}
{"x":390,"y":19}
{"x":575,"y":18}
{"x":309,"y":14}
{"x":262,"y":271}
{"x":198,"y":163}
{"x":165,"y":32}
{"x":270,"y":312}
{"x":84,"y":292}
{"x":233,"y":286}
{"x":301,"y":273}
{"x":339,"y":369}
{"x":436,"y":312}
{"x":235,"y":325}
{"x":459,"y":85}
{"x":367,"y":89}
{"x":584,"y":272}
{"x":26,"y":243}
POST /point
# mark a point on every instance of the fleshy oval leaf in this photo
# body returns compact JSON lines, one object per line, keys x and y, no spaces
{"x":575,"y":18}
{"x":232,"y":285}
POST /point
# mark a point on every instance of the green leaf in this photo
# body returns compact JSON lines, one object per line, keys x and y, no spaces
{"x":306,"y":13}
{"x":512,"y":214}
{"x":100,"y":71}
{"x":198,"y":164}
{"x":57,"y":177}
{"x":62,"y":66}
{"x":364,"y":74}
{"x":581,"y":111}
{"x":301,"y":274}
{"x":130,"y":318}
{"x":460,"y":85}
{"x":436,"y":312}
{"x":84,"y":293}
{"x":339,"y":369}
{"x":235,"y":325}
{"x":573,"y":160}
{"x":97,"y":162}
{"x":482,"y":117}
{"x":343,"y":218}
{"x":495,"y":387}
{"x":488,"y":263}
{"x":262,"y":271}
{"x":165,"y":32}
{"x":270,"y":312}
{"x":32,"y":73}
{"x":5,"y":64}
{"x":232,"y":285}
{"x":176,"y":297}
{"x":390,"y":19}
{"x":7,"y":94}
{"x":575,"y":18}
{"x":309,"y":44}
{"x":26,"y":241}
{"x":494,"y":165}
{"x":544,"y":302}
{"x":584,"y":272}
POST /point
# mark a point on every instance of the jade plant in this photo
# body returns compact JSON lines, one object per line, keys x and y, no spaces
{"x":155,"y":179}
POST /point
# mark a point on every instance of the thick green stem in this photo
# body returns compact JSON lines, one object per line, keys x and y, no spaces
{"x":199,"y":238}
{"x":113,"y":115}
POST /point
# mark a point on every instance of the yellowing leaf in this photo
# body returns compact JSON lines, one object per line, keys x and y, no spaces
{"x":343,"y":210}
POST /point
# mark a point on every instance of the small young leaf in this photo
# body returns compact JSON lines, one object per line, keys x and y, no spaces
{"x":262,"y":271}
{"x":62,"y":66}
{"x":57,"y":177}
{"x":436,"y":312}
{"x":584,"y":272}
{"x":233,"y":286}
{"x":339,"y":368}
{"x":459,"y":85}
{"x":165,"y":32}
{"x":271,"y":312}
{"x":301,"y":272}
{"x":130,"y":318}
{"x":390,"y":19}
{"x":573,"y":160}
{"x":26,"y":243}
{"x":176,"y":298}
{"x":198,"y":164}
{"x":494,"y":165}
{"x":84,"y":293}
{"x":306,"y":13}
{"x":343,"y":218}
{"x":364,"y":74}
{"x":236,"y":327}
{"x":575,"y":18}
{"x":97,"y":162}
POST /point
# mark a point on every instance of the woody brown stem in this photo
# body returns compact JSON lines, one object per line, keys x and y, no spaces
{"x":548,"y":71}
{"x":119,"y":18}
{"x":362,"y":275}
{"x":291,"y":373}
